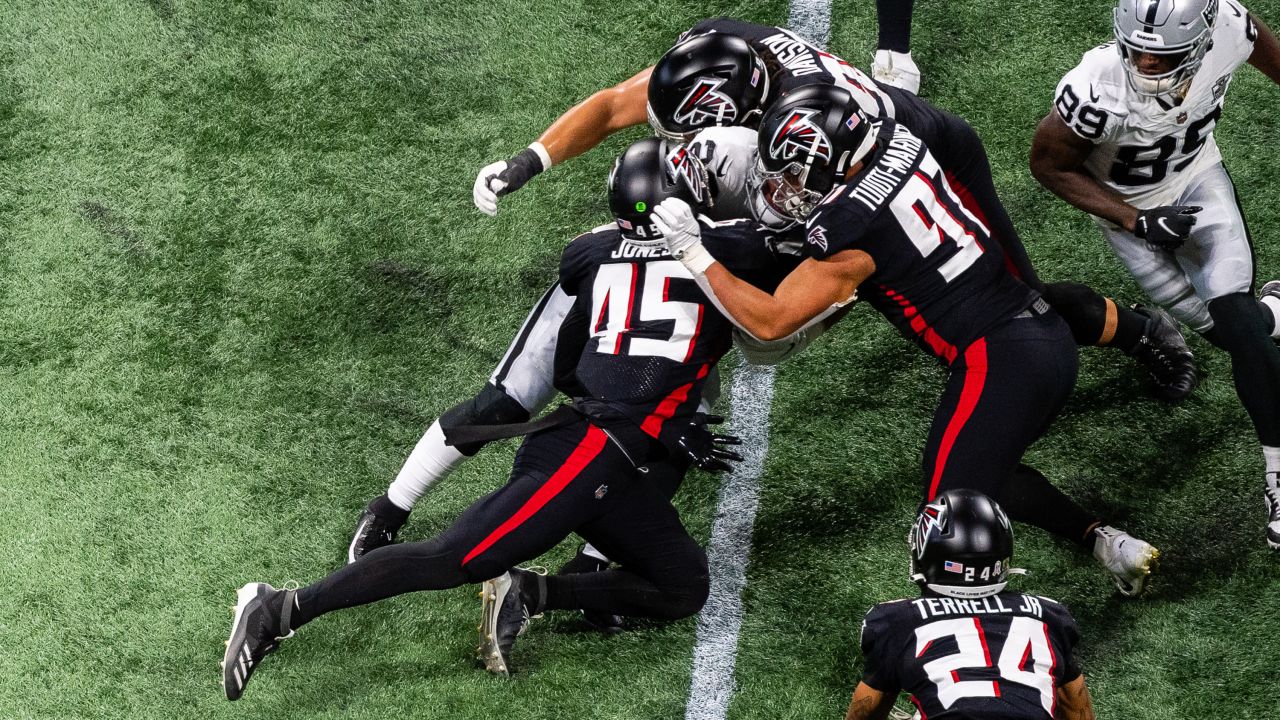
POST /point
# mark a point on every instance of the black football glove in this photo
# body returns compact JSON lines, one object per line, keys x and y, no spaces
{"x":519,"y":170}
{"x":1166,"y":227}
{"x":706,"y":449}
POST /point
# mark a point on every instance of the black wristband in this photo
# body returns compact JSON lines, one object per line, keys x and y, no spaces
{"x":519,"y":170}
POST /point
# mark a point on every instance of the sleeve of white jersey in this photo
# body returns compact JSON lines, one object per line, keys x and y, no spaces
{"x":1234,"y":33}
{"x":1085,"y":101}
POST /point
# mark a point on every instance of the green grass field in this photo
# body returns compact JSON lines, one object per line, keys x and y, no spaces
{"x":240,"y":272}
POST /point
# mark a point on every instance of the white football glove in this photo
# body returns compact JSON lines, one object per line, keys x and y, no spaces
{"x":680,"y":229}
{"x":896,"y":69}
{"x":485,"y":191}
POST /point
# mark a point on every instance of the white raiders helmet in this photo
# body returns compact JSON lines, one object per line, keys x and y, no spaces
{"x":1164,"y":27}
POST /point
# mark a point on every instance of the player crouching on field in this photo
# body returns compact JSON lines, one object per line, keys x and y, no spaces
{"x":967,"y":649}
{"x":635,"y":351}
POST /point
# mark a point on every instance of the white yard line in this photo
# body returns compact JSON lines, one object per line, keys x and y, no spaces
{"x":712,"y":684}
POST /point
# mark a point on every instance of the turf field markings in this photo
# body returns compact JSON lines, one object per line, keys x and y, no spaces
{"x":715,"y":652}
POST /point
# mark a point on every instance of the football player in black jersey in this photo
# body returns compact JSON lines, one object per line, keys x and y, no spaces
{"x":728,"y":72}
{"x":635,"y":352}
{"x":884,"y":222}
{"x":967,"y":649}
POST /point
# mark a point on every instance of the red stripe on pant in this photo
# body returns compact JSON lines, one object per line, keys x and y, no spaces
{"x":578,"y":460}
{"x":975,"y":377}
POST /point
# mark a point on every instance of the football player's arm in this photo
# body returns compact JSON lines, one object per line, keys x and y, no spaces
{"x":815,"y":290}
{"x":869,"y":704}
{"x":1057,"y":162}
{"x":1266,"y":51}
{"x":579,"y":129}
{"x":1074,"y":702}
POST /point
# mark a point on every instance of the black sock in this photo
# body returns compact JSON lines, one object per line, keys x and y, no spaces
{"x":389,"y":511}
{"x":894,"y":19}
{"x":533,"y":591}
{"x":1240,"y":328}
{"x":1130,"y":327}
{"x":1030,"y":498}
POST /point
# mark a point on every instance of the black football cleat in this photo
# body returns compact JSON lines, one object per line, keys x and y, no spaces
{"x":1273,"y":516}
{"x":375,"y":529}
{"x":254,"y":634}
{"x":504,"y":617}
{"x":1163,"y":351}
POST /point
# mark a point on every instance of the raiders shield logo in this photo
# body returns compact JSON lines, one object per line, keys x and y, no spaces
{"x":1220,"y":87}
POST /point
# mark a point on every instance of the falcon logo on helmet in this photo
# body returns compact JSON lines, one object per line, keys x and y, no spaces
{"x":931,"y":518}
{"x":705,"y":104}
{"x":799,"y":135}
{"x":682,"y":166}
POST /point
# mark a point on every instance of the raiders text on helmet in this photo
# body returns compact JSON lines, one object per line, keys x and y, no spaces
{"x":648,"y":172}
{"x":1179,"y":28}
{"x":962,"y":545}
{"x":808,"y":141}
{"x":706,"y":80}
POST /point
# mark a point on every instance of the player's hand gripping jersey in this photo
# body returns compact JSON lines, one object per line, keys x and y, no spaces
{"x":1148,"y":149}
{"x":939,"y":278}
{"x":642,"y":337}
{"x":956,"y":656}
{"x":794,"y":62}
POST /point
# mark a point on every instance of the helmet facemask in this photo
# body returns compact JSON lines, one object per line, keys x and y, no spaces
{"x":1186,"y":39}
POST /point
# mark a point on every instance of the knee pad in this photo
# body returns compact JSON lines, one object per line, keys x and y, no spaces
{"x":686,"y":592}
{"x":490,"y":406}
{"x":1238,"y":323}
{"x":1084,"y":310}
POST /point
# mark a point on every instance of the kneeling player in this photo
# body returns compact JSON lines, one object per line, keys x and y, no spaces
{"x":967,"y":649}
{"x":641,"y":339}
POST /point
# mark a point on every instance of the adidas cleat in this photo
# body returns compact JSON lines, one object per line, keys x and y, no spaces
{"x":504,"y":617}
{"x":1128,"y":559}
{"x":254,"y":635}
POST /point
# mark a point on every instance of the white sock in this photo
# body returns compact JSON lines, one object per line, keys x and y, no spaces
{"x":1272,"y":303}
{"x":430,"y":462}
{"x":1272,"y":456}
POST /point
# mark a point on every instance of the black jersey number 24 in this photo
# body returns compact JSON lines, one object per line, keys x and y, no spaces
{"x":1026,"y":658}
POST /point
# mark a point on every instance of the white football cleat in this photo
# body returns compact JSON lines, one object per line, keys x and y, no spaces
{"x":1128,"y":559}
{"x":896,"y":69}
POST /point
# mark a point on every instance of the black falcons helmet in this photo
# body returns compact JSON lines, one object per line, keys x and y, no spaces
{"x":648,"y":172}
{"x":962,"y":545}
{"x":706,"y":80}
{"x":808,"y":140}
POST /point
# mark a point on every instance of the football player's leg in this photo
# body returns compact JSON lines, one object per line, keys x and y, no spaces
{"x":521,"y":386}
{"x":893,"y":62}
{"x":662,"y":570}
{"x":1002,"y":394}
{"x":1218,"y":258}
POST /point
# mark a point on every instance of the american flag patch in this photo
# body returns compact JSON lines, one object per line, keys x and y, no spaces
{"x":625,"y":225}
{"x":755,"y":77}
{"x":954,"y":567}
{"x":852,"y":122}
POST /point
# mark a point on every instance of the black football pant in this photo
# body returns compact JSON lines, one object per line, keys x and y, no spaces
{"x":1002,"y":393}
{"x":565,"y":480}
{"x":964,"y":159}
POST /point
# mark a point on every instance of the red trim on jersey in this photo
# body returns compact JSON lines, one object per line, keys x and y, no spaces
{"x":1022,"y":664}
{"x":971,"y":204}
{"x":975,"y":377}
{"x":578,"y":460}
{"x":986,"y":653}
{"x":919,"y":707}
{"x":1053,"y":663}
{"x":928,"y":221}
{"x":631,"y":302}
{"x":652,"y":425}
{"x":945,"y":209}
{"x":604,"y":310}
{"x":940,"y":347}
{"x":697,"y":330}
{"x":924,"y":649}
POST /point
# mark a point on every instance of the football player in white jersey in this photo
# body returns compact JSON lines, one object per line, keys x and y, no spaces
{"x":1130,"y":141}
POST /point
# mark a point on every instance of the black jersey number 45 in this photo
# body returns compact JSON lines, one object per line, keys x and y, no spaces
{"x":630,"y":300}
